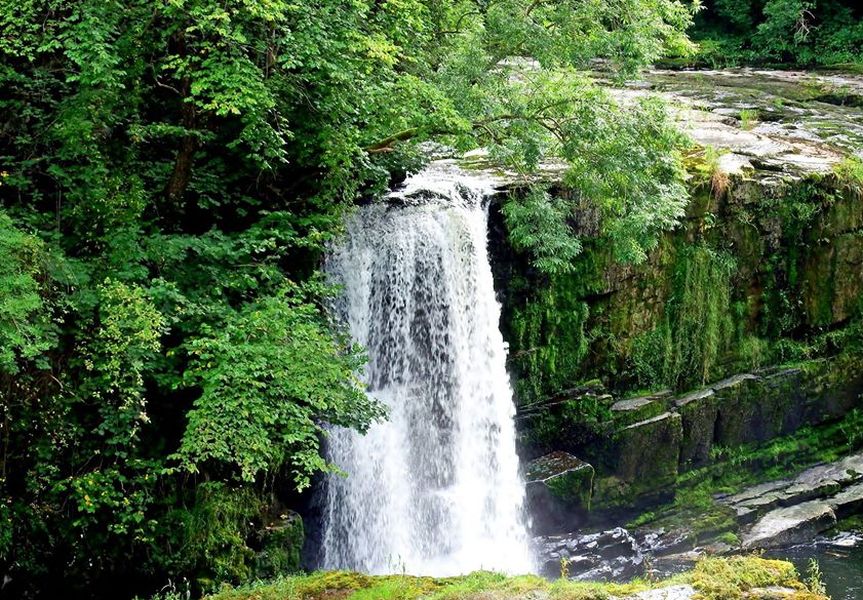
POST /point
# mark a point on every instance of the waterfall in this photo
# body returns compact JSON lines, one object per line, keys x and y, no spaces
{"x":436,"y":488}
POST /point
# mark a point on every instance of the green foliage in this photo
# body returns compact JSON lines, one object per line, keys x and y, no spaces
{"x":748,"y":118}
{"x":633,"y":172}
{"x":850,"y":174}
{"x":704,"y":165}
{"x":538,"y":224}
{"x":170,"y":174}
{"x":26,"y":328}
{"x":815,"y":578}
{"x":276,"y":364}
{"x":802,"y":32}
{"x":730,"y":538}
{"x":625,"y":164}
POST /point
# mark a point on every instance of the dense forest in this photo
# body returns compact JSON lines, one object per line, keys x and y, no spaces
{"x":780,"y":32}
{"x":171,"y":174}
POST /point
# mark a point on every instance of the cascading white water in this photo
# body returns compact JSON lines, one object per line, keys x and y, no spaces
{"x":435,"y":489}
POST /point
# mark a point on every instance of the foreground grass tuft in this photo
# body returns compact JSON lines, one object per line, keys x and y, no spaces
{"x":713,"y":578}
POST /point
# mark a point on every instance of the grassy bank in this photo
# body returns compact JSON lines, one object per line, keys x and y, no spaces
{"x":711,"y":578}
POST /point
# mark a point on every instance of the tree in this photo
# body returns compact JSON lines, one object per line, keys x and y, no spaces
{"x":172,"y":171}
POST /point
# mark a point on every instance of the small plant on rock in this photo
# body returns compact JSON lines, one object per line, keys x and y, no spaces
{"x":748,"y":118}
{"x":564,"y":567}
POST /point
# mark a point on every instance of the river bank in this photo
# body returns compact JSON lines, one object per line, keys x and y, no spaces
{"x":711,"y":579}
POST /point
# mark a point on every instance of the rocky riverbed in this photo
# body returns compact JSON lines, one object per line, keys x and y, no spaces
{"x":776,"y":124}
{"x":780,"y":514}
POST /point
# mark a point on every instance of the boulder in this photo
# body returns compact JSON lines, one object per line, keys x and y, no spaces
{"x":790,"y":525}
{"x":632,"y":410}
{"x":848,"y":502}
{"x":672,"y":592}
{"x":833,"y":387}
{"x":649,"y":451}
{"x":558,"y":489}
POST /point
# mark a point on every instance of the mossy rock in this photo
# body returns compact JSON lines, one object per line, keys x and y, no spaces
{"x":698,"y":412}
{"x":633,"y":410}
{"x":833,"y":387}
{"x":559,"y":488}
{"x":644,"y":457}
{"x":782,"y":403}
{"x":737,"y":408}
{"x":833,"y":281}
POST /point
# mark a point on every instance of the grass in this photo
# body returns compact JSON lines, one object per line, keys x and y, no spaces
{"x":849,"y":172}
{"x":736,"y":577}
{"x":713,"y":578}
{"x":748,"y":118}
{"x":703,"y":163}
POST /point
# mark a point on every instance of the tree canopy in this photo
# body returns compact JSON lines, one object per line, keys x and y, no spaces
{"x":171,"y":172}
{"x":797,"y":32}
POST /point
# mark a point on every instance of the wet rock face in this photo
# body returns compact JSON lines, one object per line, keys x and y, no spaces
{"x":612,"y":555}
{"x":698,"y":411}
{"x":806,"y":262}
{"x":795,"y":234}
{"x":640,"y":460}
{"x":558,"y":491}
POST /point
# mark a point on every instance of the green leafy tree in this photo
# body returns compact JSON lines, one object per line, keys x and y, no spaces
{"x":169,"y":167}
{"x":276,"y":365}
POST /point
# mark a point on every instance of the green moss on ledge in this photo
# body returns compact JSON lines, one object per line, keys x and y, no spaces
{"x":711,"y":579}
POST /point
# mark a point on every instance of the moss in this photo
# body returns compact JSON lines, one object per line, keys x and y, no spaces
{"x":573,"y":416}
{"x":733,"y":578}
{"x":643,"y":459}
{"x":849,"y":173}
{"x":729,"y":538}
{"x":683,"y":350}
{"x":573,"y":486}
{"x":854,"y":523}
{"x":549,"y":339}
{"x":757,"y":274}
{"x":281,"y":544}
{"x":568,"y":480}
{"x":713,"y":579}
{"x":217,"y":532}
